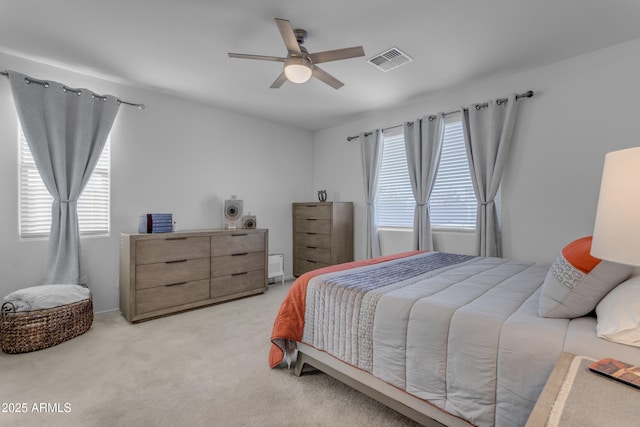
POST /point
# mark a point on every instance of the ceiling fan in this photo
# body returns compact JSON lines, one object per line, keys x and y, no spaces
{"x":299,"y":64}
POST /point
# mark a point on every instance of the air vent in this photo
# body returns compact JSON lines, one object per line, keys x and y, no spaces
{"x":390,"y":59}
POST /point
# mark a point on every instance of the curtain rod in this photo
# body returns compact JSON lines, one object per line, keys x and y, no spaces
{"x":76,"y":91}
{"x":527,"y":94}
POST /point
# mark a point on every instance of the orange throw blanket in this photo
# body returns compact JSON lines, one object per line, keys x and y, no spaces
{"x":289,"y":323}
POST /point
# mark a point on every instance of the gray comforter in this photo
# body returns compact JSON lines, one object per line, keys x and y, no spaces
{"x":461,"y":332}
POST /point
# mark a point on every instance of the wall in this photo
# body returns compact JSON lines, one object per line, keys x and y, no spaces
{"x":395,"y":240}
{"x":175,"y":156}
{"x":583,"y":108}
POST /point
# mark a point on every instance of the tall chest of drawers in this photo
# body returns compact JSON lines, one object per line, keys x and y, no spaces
{"x":170,"y":272}
{"x":322,"y":235}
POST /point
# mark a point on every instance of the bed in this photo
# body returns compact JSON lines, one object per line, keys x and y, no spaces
{"x":446,"y":339}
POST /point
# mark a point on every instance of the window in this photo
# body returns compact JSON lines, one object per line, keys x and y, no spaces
{"x":35,"y":200}
{"x":453,"y":202}
{"x":395,"y":203}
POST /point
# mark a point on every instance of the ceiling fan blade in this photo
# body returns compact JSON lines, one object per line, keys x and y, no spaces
{"x":322,"y":75}
{"x":279,"y":81}
{"x":290,"y":41}
{"x":260,"y":57}
{"x":335,"y":55}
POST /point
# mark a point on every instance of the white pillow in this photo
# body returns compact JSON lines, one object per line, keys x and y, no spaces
{"x":619,"y":314}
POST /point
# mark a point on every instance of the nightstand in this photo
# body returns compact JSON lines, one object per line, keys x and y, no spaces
{"x":575,"y":396}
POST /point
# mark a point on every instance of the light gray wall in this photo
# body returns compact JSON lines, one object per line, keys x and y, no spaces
{"x":175,"y":156}
{"x":186,"y":158}
{"x":583,"y":108}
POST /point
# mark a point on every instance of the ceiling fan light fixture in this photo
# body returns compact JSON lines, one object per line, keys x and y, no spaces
{"x":297,"y":70}
{"x":299,"y":64}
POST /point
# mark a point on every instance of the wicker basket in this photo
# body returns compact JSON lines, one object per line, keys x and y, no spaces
{"x":24,"y":331}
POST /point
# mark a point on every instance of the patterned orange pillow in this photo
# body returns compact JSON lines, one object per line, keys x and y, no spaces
{"x":578,"y":253}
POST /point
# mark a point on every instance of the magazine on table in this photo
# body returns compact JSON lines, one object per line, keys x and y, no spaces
{"x":617,"y":370}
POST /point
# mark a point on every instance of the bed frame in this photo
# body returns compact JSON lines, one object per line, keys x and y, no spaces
{"x":390,"y":396}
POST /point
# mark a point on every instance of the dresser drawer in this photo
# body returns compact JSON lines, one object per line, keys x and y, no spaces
{"x":303,"y":265}
{"x":237,"y":283}
{"x":312,"y":240}
{"x":152,"y":299}
{"x":170,"y":272}
{"x":171,"y":249}
{"x":238,"y":263}
{"x":237,"y":243}
{"x":314,"y":254}
{"x":306,"y":225}
{"x":312,"y":211}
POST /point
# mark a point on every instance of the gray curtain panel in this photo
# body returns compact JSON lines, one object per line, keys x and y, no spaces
{"x":488,"y":130}
{"x":371,"y":147}
{"x":66,"y":133}
{"x":423,"y":144}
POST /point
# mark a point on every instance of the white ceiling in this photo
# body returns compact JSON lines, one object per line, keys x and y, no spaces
{"x":180,"y":46}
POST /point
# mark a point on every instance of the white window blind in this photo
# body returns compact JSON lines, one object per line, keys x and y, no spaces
{"x":394,"y":199}
{"x":35,"y":200}
{"x":453,"y":201}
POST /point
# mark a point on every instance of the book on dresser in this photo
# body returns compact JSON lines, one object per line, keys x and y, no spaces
{"x":155,"y":223}
{"x":322,"y":235}
{"x":166,"y":273}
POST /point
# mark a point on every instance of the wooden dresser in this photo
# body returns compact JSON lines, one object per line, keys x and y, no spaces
{"x":169,"y":272}
{"x":322,"y":235}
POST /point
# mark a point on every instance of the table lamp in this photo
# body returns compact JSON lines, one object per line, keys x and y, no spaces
{"x":616,"y":235}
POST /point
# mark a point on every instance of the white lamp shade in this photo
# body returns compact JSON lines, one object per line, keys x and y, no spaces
{"x":616,"y":235}
{"x":297,"y":70}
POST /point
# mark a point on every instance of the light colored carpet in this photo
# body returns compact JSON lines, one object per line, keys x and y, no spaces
{"x":205,"y":367}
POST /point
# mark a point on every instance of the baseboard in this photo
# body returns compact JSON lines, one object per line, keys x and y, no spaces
{"x":106,"y":313}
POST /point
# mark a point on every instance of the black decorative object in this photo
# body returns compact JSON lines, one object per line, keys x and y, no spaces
{"x":322,"y":195}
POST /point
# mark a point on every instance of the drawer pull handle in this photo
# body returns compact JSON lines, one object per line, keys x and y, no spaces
{"x":242,"y":254}
{"x":315,"y":262}
{"x":239,"y":235}
{"x":312,"y":247}
{"x":177,"y":284}
{"x":312,"y":234}
{"x":311,"y":219}
{"x":176,"y":238}
{"x":240,"y":274}
{"x":176,"y":261}
{"x":311,"y":206}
